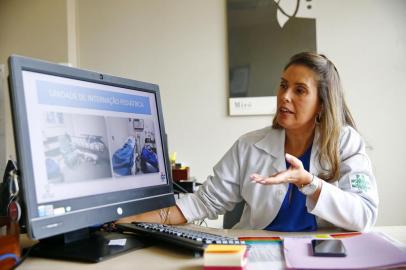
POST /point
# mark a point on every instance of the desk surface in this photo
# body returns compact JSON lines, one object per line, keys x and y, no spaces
{"x":157,"y":257}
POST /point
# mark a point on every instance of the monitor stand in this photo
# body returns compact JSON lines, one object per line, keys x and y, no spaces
{"x":86,"y":246}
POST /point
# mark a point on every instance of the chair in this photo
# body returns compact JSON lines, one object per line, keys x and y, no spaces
{"x":232,"y":217}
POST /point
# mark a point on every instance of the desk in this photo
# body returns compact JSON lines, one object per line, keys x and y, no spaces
{"x":157,"y":257}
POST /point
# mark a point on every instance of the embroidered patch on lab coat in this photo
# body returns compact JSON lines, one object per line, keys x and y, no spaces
{"x":360,"y":182}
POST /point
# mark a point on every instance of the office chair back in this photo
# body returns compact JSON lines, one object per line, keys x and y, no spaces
{"x":232,"y":217}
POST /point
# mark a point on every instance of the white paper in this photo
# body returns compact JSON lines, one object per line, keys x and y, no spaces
{"x":265,"y":257}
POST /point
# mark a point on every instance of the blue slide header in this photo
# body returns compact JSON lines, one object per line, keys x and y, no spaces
{"x":50,"y":93}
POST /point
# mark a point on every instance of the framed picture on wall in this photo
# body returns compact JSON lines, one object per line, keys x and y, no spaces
{"x":239,"y":80}
{"x":262,"y":36}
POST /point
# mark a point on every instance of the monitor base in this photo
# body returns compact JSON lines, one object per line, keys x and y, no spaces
{"x":92,"y":249}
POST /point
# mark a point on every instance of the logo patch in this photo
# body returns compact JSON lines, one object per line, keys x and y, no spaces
{"x":360,"y":182}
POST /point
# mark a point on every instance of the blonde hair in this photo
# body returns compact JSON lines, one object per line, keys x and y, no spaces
{"x":334,"y":114}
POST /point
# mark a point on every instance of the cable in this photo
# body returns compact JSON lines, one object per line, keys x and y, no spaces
{"x":180,"y":187}
{"x":22,"y":259}
{"x":202,"y":221}
{"x":199,"y":222}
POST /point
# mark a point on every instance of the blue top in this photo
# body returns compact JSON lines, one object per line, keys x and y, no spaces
{"x":293,"y":215}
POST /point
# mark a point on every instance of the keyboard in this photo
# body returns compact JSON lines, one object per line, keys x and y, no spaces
{"x":193,"y":240}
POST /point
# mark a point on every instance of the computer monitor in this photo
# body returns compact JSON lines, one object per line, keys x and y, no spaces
{"x":91,"y":149}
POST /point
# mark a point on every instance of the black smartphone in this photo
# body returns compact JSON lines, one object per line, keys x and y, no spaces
{"x":328,"y":248}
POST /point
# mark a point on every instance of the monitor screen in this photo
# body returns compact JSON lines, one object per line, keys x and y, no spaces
{"x":91,"y":147}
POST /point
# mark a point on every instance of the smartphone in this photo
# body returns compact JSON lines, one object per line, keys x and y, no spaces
{"x":328,"y":248}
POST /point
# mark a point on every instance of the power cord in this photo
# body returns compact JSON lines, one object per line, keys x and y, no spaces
{"x":203,"y":221}
{"x":180,"y":187}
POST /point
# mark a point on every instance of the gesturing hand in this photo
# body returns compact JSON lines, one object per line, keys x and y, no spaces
{"x":295,"y":174}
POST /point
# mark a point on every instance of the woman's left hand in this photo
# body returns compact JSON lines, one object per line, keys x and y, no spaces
{"x":296,"y":174}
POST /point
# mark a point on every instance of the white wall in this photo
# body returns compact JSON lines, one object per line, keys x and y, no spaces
{"x":367,"y":41}
{"x":35,"y":29}
{"x":181,"y":45}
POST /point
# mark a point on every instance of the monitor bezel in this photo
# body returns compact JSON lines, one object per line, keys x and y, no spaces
{"x":139,"y":200}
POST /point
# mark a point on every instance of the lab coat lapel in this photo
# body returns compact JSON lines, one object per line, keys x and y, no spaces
{"x":274,"y":144}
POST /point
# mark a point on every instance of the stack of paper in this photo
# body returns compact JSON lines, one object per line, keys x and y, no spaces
{"x":225,"y":257}
{"x":365,"y":251}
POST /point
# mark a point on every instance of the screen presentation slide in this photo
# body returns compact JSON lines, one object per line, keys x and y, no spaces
{"x":75,"y":147}
{"x":93,"y":138}
{"x":133,"y":146}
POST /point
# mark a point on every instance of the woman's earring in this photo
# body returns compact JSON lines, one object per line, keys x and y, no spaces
{"x":318,"y":118}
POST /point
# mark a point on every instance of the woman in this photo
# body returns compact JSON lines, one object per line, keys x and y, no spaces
{"x":309,"y":170}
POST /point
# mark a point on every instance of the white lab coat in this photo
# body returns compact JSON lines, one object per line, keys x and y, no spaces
{"x":350,"y":203}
